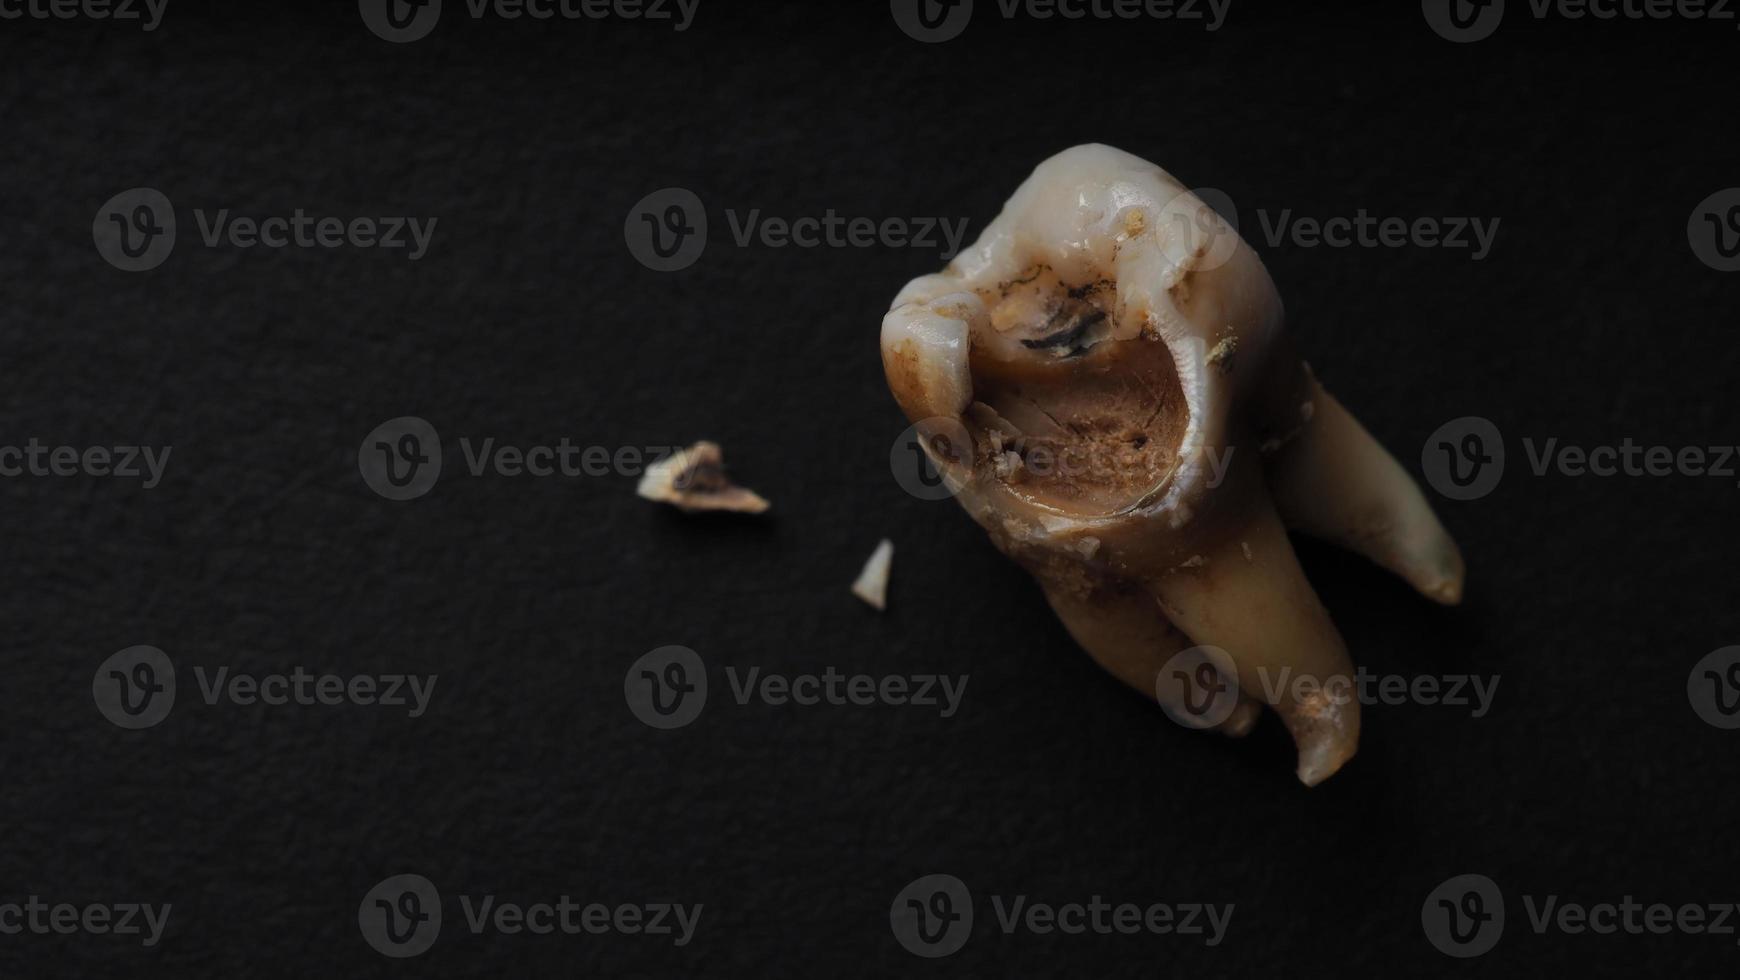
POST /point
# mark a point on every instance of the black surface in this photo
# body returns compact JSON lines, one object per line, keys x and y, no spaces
{"x":529,"y":321}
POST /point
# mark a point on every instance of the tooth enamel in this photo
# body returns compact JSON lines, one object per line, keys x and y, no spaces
{"x":1110,"y":319}
{"x":930,"y":349}
{"x":872,"y":583}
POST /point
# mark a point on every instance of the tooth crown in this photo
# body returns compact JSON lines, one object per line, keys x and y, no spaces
{"x":1139,"y":428}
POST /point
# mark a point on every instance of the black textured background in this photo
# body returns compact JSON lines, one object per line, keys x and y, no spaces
{"x":529,"y":321}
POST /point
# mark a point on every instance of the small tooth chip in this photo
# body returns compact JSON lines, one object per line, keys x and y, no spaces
{"x":694,"y":480}
{"x":872,"y":584}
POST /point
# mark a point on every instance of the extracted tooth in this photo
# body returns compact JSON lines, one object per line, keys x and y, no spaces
{"x":1142,"y":434}
{"x":872,"y":583}
{"x":694,"y":479}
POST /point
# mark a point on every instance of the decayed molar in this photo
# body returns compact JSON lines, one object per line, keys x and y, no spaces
{"x":1142,"y":437}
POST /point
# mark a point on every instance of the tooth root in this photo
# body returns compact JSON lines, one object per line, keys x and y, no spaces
{"x":1123,"y":629}
{"x":1250,"y":598}
{"x":1243,"y":719}
{"x":1334,"y":481}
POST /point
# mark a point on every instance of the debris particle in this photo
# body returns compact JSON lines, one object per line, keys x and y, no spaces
{"x":872,"y":584}
{"x":695,"y":480}
{"x":1223,"y":353}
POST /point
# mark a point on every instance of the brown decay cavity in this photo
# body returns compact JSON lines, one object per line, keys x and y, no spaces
{"x":1066,"y":415}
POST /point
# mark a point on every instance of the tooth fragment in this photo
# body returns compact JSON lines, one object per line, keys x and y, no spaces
{"x":695,"y":480}
{"x":872,"y":583}
{"x":1143,"y":437}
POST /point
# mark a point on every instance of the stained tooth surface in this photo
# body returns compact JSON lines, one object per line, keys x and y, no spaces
{"x":1143,"y":434}
{"x":695,"y":480}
